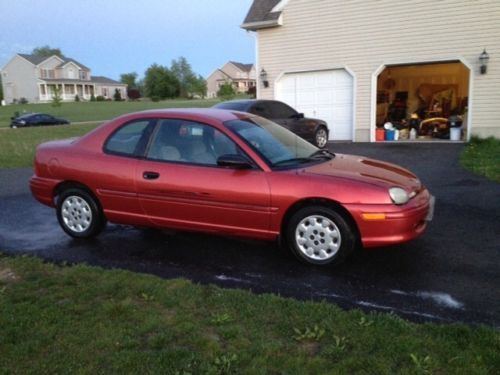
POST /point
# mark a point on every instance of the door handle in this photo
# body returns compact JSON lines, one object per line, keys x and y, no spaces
{"x":150,"y":175}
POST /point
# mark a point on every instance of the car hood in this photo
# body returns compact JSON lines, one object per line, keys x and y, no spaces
{"x":367,"y":170}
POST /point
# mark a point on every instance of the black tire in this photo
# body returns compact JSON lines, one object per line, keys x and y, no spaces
{"x":329,"y":238}
{"x":79,"y":214}
{"x":321,"y":137}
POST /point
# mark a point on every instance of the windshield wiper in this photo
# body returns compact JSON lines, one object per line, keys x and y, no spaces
{"x":322,"y":153}
{"x":292,"y":161}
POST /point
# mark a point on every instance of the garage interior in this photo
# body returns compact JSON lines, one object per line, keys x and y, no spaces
{"x":422,"y":102}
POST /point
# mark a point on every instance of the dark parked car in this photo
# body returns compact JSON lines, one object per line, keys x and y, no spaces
{"x":312,"y":130}
{"x":231,"y":173}
{"x":36,"y":119}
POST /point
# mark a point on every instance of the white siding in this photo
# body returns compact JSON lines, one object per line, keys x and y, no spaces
{"x":18,"y":80}
{"x":361,"y":35}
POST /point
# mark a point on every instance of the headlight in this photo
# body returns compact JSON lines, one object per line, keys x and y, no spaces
{"x":398,"y":195}
{"x":22,"y":122}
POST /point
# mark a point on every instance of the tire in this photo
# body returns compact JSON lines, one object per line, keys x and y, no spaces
{"x":321,"y":137}
{"x":78,"y":213}
{"x":319,"y":235}
{"x":13,"y":126}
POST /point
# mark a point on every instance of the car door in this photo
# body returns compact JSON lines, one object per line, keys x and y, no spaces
{"x":112,"y":175}
{"x":181,"y":186}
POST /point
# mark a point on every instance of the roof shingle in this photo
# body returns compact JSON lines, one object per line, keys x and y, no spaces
{"x":259,"y":12}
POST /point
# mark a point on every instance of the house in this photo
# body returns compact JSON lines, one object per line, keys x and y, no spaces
{"x":242,"y":76}
{"x":358,"y":64}
{"x":36,"y":77}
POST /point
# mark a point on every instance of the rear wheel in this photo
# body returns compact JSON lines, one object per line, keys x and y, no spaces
{"x":320,"y":235}
{"x":13,"y":126}
{"x":78,"y":213}
{"x":321,"y":137}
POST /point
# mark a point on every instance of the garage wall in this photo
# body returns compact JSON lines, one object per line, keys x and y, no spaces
{"x":364,"y":34}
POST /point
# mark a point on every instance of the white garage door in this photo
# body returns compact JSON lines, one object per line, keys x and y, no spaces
{"x":326,"y":95}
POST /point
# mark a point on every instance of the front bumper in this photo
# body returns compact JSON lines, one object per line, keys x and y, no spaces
{"x":399,"y":223}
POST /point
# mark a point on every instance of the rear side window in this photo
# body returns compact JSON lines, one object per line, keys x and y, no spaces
{"x":261,"y":109}
{"x":281,"y":110}
{"x":129,"y":139}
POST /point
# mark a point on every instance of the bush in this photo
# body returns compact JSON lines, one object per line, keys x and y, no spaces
{"x":155,"y":98}
{"x":226,"y":91}
{"x":23,"y":101}
{"x":77,"y":98}
{"x":133,"y":94}
{"x":117,"y":95}
{"x":100,"y":98}
{"x":252,"y":91}
{"x":92,"y":98}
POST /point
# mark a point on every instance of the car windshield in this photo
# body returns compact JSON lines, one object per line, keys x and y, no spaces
{"x":277,"y":145}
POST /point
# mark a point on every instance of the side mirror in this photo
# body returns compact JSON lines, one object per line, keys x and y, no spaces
{"x":300,"y":115}
{"x":233,"y":161}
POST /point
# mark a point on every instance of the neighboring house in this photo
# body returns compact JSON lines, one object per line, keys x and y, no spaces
{"x":35,"y":79}
{"x":357,"y":64}
{"x":242,"y":77}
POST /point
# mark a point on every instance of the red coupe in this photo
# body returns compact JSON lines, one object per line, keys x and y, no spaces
{"x":228,"y":173}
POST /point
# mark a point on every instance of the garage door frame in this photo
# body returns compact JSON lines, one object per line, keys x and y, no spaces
{"x":449,"y":59}
{"x":324,"y":69}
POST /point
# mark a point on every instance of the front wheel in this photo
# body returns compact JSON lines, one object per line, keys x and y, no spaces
{"x":321,"y":137}
{"x":78,"y":214}
{"x":320,"y":235}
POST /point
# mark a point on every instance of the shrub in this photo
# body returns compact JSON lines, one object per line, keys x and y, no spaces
{"x":92,"y":98}
{"x":56,"y":97}
{"x":100,"y":98}
{"x":23,"y":101}
{"x":226,"y":91}
{"x":252,"y":91}
{"x":117,"y":95}
{"x":77,"y":98}
{"x":133,"y":94}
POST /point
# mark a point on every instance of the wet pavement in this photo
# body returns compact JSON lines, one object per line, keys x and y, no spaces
{"x":451,"y":273}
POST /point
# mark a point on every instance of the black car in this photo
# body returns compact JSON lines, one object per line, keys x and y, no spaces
{"x":312,"y":130}
{"x":36,"y":119}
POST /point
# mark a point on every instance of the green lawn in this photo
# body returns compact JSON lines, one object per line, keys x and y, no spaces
{"x":81,"y":319}
{"x":97,"y":111}
{"x":482,"y":156}
{"x":17,"y":146}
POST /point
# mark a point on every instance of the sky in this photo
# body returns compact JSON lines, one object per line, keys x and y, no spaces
{"x":112,"y":37}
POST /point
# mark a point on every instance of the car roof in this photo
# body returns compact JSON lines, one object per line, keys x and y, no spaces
{"x":214,"y":113}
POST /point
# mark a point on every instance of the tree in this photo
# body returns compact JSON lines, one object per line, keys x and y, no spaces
{"x":181,"y":69}
{"x":160,"y":82}
{"x":47,"y":51}
{"x":129,"y":79}
{"x":226,"y":91}
{"x":199,"y":86}
{"x":1,"y":89}
{"x":56,"y":96}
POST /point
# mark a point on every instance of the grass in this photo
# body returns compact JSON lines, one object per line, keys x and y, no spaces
{"x":17,"y":146}
{"x":97,"y":111}
{"x":482,"y":156}
{"x":81,"y":319}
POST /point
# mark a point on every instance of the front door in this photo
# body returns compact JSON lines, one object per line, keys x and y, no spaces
{"x":181,"y":186}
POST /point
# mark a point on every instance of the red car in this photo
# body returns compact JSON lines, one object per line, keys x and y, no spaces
{"x":229,"y":173}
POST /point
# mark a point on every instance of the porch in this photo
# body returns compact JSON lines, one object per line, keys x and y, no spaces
{"x":68,"y":91}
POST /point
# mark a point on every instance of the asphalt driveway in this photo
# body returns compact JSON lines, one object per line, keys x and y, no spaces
{"x":451,"y":273}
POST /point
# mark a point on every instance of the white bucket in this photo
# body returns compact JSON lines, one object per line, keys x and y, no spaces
{"x":455,"y":134}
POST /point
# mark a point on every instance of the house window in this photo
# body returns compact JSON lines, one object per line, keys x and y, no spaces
{"x":83,"y":75}
{"x":48,"y":73}
{"x":105,"y":91}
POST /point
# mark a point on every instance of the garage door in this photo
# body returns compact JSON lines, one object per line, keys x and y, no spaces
{"x":326,"y":95}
